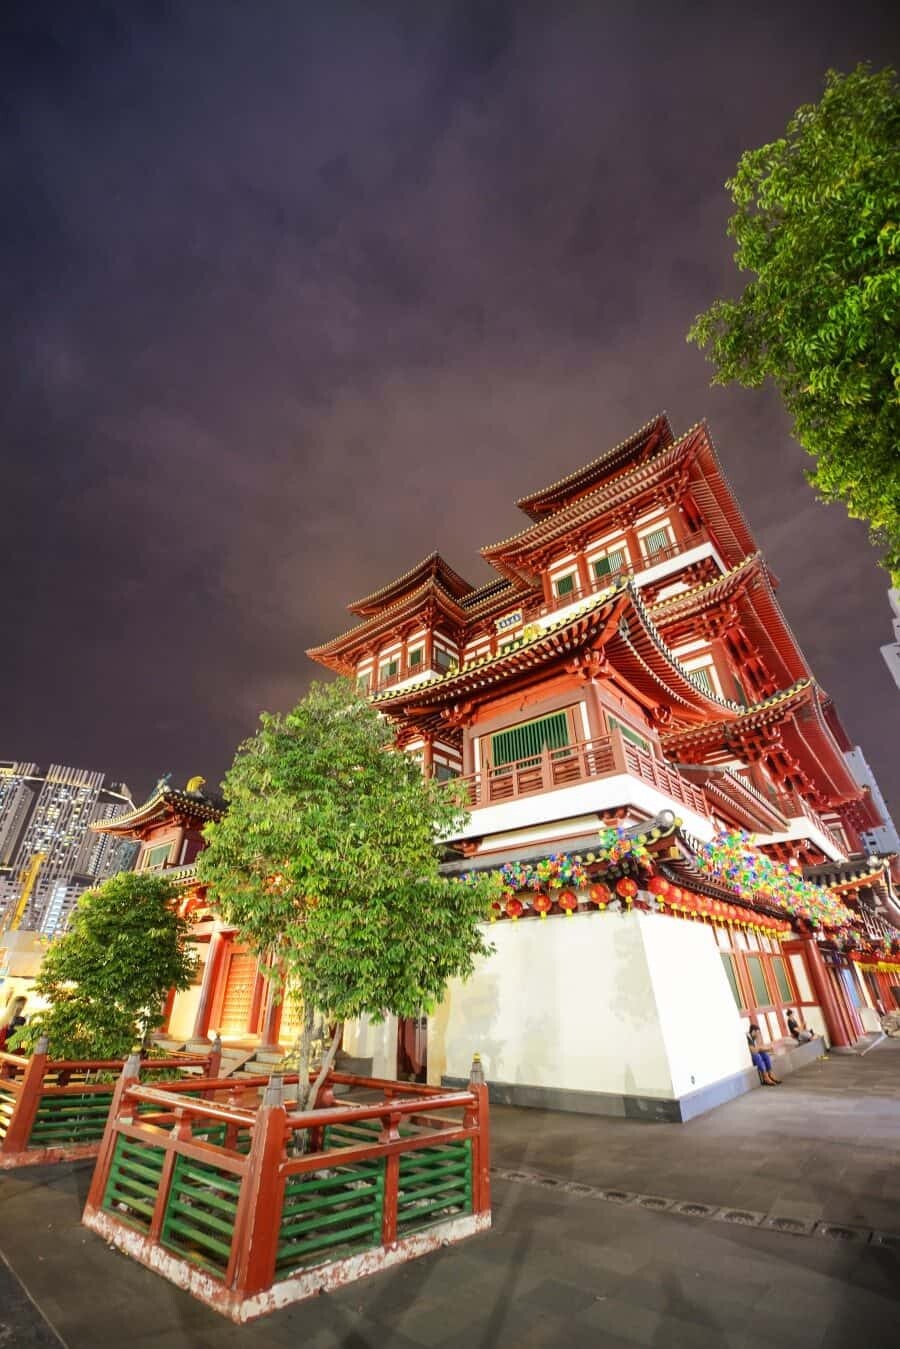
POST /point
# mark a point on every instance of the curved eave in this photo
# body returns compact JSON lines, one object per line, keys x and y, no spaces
{"x":636,"y":652}
{"x":337,"y":653}
{"x":820,"y":755}
{"x":538,"y":505}
{"x":700,"y":599}
{"x":765,"y":713}
{"x":431,"y":567}
{"x":160,"y":808}
{"x":564,"y":638}
{"x":519,"y":547}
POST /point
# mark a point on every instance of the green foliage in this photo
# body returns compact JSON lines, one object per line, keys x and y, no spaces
{"x":818,"y":223}
{"x":107,"y":977}
{"x":326,"y":861}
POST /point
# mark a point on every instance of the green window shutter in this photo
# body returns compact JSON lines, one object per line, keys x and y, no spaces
{"x":627,"y":733}
{"x":731,"y":976}
{"x":362,"y":682}
{"x":389,"y":669}
{"x":702,"y":678}
{"x":656,"y":541}
{"x":527,"y":741}
{"x":415,"y":657}
{"x":758,"y":980}
{"x":602,"y":566}
{"x":565,"y":585}
{"x":781,"y":979}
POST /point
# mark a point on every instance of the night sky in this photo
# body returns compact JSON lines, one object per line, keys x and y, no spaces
{"x":292,"y":294}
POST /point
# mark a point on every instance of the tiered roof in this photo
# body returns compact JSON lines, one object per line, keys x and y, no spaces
{"x":165,"y":804}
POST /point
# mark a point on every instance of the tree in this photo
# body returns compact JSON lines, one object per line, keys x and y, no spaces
{"x":326,"y":861}
{"x":818,"y":223}
{"x":107,"y":976}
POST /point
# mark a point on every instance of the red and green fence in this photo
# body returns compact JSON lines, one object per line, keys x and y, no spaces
{"x":54,"y":1110}
{"x":216,"y":1194}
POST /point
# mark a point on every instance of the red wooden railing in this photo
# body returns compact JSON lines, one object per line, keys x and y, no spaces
{"x":606,"y":756}
{"x":204,"y":1187}
{"x":54,"y":1110}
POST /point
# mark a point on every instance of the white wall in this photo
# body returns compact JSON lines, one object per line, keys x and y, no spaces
{"x":366,"y":1039}
{"x":630,"y":1004}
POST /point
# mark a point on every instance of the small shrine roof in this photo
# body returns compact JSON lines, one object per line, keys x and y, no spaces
{"x":653,"y":435}
{"x":772,"y":709}
{"x":163,"y":804}
{"x":849,"y":875}
{"x":432,"y":566}
{"x":406,"y":608}
{"x":737,"y":793}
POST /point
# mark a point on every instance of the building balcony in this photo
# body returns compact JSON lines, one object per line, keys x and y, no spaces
{"x":652,"y":569}
{"x":803,"y":822}
{"x":596,"y":775}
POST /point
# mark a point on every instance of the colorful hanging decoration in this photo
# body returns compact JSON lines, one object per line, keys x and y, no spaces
{"x":542,"y":903}
{"x":601,"y":895}
{"x":732,"y":860}
{"x":568,"y":902}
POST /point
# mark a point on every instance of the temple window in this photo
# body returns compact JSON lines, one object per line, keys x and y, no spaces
{"x":657,"y":540}
{"x":529,"y":739}
{"x":443,"y":658}
{"x":388,"y":669}
{"x":612,"y":561}
{"x":363,"y":682}
{"x":155,"y":859}
{"x":443,"y":772}
{"x":628,"y":733}
{"x":416,"y":656}
{"x":565,"y":585}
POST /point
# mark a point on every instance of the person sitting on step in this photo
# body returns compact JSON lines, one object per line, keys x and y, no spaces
{"x":801,"y":1036}
{"x":759,"y":1053}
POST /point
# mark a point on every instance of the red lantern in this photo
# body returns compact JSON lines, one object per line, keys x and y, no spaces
{"x":626,"y":887}
{"x":542,"y":903}
{"x":600,"y":895}
{"x":676,"y":896}
{"x":568,"y":900}
{"x":514,"y":907}
{"x":659,"y":886}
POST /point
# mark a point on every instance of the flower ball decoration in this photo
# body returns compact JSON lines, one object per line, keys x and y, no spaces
{"x":731,"y":858}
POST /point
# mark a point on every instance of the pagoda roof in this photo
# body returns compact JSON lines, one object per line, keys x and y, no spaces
{"x":651,"y":437}
{"x":805,"y":735}
{"x":337,"y":654}
{"x":693,"y":452}
{"x":164,"y":804}
{"x":431,"y":567}
{"x":851,"y":874}
{"x":761,"y":614}
{"x":615,"y":619}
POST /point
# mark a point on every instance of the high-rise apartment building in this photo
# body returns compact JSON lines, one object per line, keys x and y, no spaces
{"x":46,"y":844}
{"x":891,"y":652}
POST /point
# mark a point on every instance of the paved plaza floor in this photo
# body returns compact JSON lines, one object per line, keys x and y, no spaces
{"x":562,"y":1266}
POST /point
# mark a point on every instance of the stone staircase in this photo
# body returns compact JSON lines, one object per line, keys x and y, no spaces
{"x":243,"y":1061}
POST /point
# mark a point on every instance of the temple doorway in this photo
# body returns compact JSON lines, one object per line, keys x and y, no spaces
{"x":412,"y":1048}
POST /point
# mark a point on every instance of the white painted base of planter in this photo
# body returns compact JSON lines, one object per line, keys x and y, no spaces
{"x":305,"y":1283}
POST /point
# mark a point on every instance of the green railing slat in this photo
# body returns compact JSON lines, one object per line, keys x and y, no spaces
{"x":316,"y":1221}
{"x":290,"y":1252}
{"x":191,"y":1211}
{"x":198,"y":1235}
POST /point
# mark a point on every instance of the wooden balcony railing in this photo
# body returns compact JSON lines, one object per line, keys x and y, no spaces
{"x":598,"y":583}
{"x":605,"y":757}
{"x":791,"y":804}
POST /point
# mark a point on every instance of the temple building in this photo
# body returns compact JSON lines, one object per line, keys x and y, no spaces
{"x":645,"y":751}
{"x":647,"y":758}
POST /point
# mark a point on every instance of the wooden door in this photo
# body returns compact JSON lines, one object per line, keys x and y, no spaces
{"x":237,"y":998}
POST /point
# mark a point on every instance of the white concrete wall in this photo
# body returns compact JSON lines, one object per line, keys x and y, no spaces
{"x":629,"y":1004}
{"x":366,"y":1039}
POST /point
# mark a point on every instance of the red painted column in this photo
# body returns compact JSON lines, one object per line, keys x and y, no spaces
{"x":823,"y":987}
{"x":218,"y":945}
